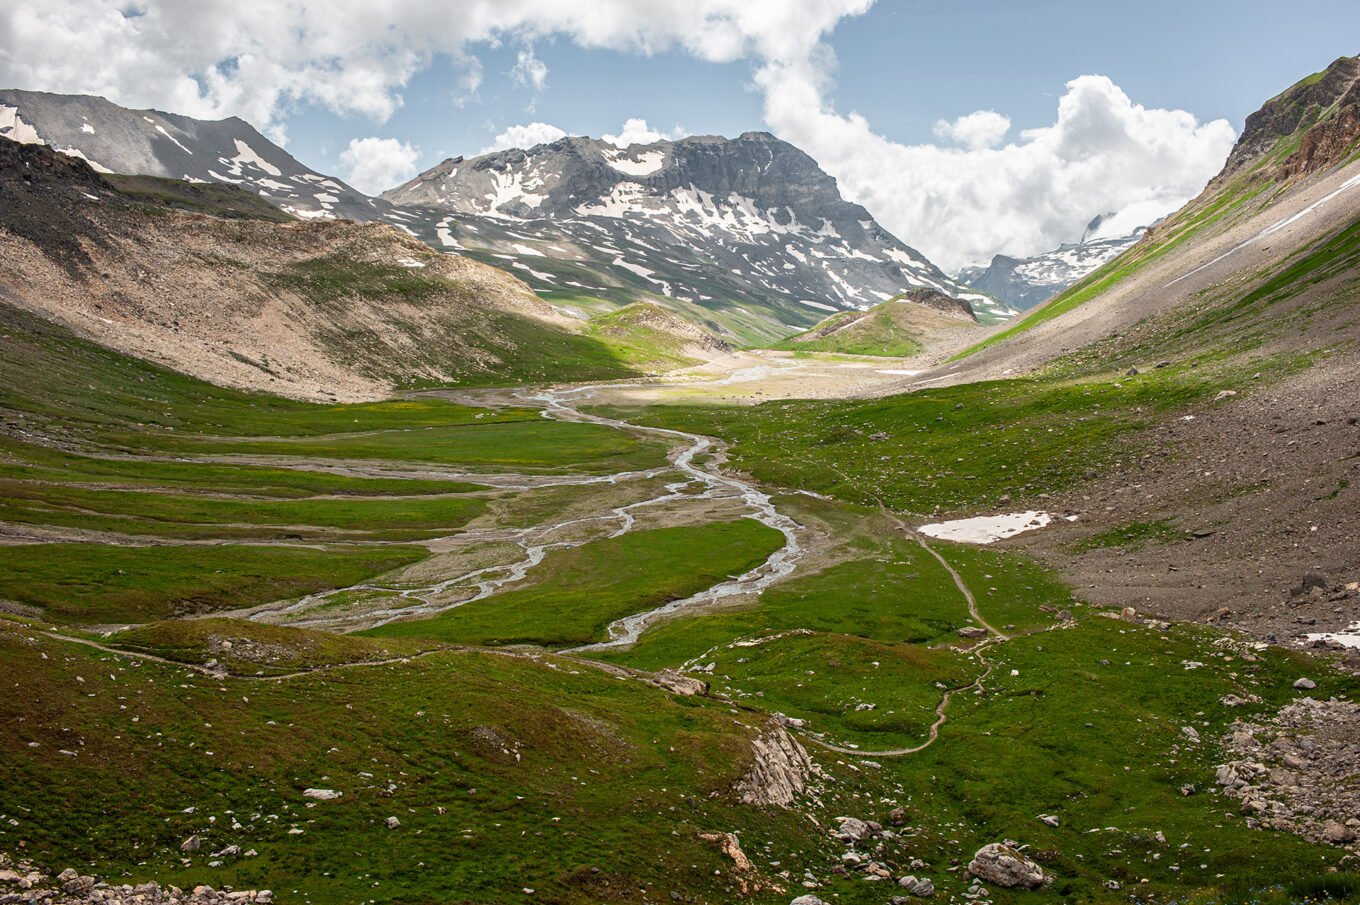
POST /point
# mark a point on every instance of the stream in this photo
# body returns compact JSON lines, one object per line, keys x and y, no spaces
{"x":535,"y":542}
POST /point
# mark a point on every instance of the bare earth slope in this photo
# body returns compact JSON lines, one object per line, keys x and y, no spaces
{"x":317,"y":310}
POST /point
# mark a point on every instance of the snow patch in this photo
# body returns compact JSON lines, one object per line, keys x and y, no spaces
{"x":13,"y":127}
{"x":985,"y":529}
{"x":1349,"y":638}
{"x":161,"y":129}
{"x":648,"y":162}
{"x":246,"y":155}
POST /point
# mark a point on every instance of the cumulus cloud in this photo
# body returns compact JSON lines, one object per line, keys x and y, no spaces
{"x":1102,"y":153}
{"x":635,"y":131}
{"x":529,"y":71}
{"x":525,"y":136}
{"x":373,"y":165}
{"x":983,"y":129}
{"x":257,"y":58}
{"x":961,"y":201}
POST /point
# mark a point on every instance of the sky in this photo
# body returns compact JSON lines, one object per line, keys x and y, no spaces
{"x":967,"y":128}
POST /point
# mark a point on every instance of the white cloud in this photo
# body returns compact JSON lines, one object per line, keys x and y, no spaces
{"x":983,"y":129}
{"x":256,"y":58}
{"x":529,"y":71}
{"x":636,"y":132}
{"x":959,"y":203}
{"x":373,"y":165}
{"x":525,"y":136}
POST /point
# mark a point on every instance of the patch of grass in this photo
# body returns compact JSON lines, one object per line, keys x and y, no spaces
{"x":536,"y":445}
{"x":153,"y":193}
{"x":254,"y":648}
{"x":644,"y":334}
{"x":947,"y":449}
{"x":30,"y":462}
{"x":891,"y":329}
{"x":143,"y":512}
{"x":1134,"y":536}
{"x":577,"y":593}
{"x":100,"y":584}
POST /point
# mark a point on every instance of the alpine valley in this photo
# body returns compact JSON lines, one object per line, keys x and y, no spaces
{"x":647,"y":524}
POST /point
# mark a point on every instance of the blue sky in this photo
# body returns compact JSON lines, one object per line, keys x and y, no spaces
{"x":903,"y":65}
{"x":967,"y":128}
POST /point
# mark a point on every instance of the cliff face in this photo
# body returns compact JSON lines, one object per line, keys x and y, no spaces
{"x":1321,"y":113}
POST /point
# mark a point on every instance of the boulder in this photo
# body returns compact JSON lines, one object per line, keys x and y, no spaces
{"x":852,"y":829}
{"x":392,"y":823}
{"x":808,"y":900}
{"x":1305,"y":684}
{"x":191,"y":845}
{"x":1337,"y":833}
{"x":1004,"y":866}
{"x":920,"y":887}
{"x":677,"y":683}
{"x":321,"y":794}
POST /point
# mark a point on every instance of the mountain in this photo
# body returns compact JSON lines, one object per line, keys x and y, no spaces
{"x":114,"y":139}
{"x":206,"y":280}
{"x":747,"y":238}
{"x":748,"y":233}
{"x":1023,"y":283}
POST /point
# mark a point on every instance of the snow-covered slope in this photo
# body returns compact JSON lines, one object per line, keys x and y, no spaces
{"x":113,"y":139}
{"x":1023,"y":283}
{"x":749,"y":229}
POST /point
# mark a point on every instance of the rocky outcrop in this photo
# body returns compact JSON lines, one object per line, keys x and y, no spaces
{"x":22,"y":882}
{"x":1298,"y":771}
{"x":1326,"y":143}
{"x":945,"y":304}
{"x":679,"y":683}
{"x":779,"y":771}
{"x":1002,"y":864}
{"x":1310,"y":104}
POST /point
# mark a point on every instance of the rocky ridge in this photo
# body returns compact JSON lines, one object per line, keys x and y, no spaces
{"x":249,"y":303}
{"x":114,"y":139}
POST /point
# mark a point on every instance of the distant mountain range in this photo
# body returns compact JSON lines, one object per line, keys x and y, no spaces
{"x":1023,"y":283}
{"x":747,"y":236}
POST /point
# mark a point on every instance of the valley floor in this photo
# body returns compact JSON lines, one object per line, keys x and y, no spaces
{"x":561,"y":643}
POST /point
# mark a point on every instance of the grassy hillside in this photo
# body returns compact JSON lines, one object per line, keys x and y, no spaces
{"x":896,"y":328}
{"x":652,"y":338}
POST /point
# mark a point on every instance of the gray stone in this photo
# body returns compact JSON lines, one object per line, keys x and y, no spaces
{"x":1006,"y":866}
